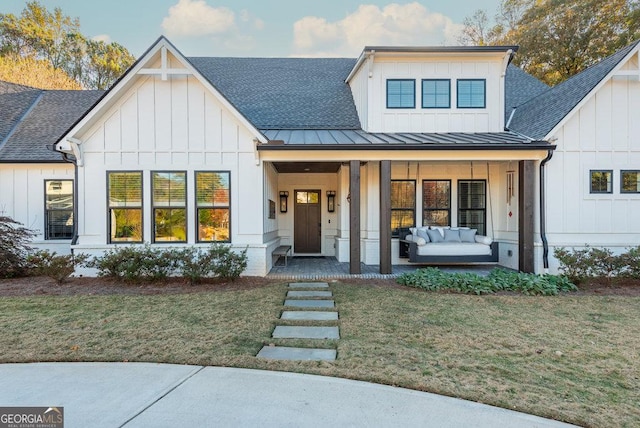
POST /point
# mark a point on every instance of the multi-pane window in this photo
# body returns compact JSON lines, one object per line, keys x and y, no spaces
{"x":436,"y":93}
{"x":403,"y":205}
{"x":213,"y":201}
{"x":471,"y":93}
{"x":169,"y":198}
{"x":125,"y":206}
{"x":58,"y":213}
{"x":630,"y":181}
{"x":472,"y":198}
{"x":601,"y":181}
{"x":401,"y":93}
{"x":436,"y":202}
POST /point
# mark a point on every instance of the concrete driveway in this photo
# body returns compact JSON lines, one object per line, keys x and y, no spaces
{"x":165,"y":395}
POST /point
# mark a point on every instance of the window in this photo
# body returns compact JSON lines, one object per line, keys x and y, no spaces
{"x":601,"y":181}
{"x":436,"y":202}
{"x":630,"y":181}
{"x":471,"y":93}
{"x":213,"y":206}
{"x":403,"y":205}
{"x":169,"y":197}
{"x":401,"y":93}
{"x":436,"y":93}
{"x":472,"y":198}
{"x":58,"y":211}
{"x":125,"y":206}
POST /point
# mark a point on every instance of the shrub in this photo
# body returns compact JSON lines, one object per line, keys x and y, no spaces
{"x":14,"y":248}
{"x":56,"y":267}
{"x":133,"y":263}
{"x":581,"y":264}
{"x":434,"y":279}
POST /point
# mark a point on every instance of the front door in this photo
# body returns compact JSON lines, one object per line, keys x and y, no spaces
{"x":307,"y":222}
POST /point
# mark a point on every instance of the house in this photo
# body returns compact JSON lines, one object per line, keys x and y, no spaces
{"x":331,"y":156}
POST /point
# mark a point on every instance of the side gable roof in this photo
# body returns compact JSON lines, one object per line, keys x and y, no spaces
{"x":43,"y":118}
{"x":520,"y":87}
{"x":540,"y":115}
{"x":285,"y":93}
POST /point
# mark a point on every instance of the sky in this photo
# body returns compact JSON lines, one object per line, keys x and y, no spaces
{"x":268,"y":28}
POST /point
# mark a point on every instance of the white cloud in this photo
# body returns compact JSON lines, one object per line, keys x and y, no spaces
{"x":394,"y":25}
{"x":102,"y":38}
{"x":192,"y":18}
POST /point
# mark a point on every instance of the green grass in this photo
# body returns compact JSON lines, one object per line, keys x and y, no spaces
{"x":572,"y":358}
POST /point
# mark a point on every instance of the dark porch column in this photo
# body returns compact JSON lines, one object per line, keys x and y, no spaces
{"x":526,"y":204}
{"x":354,"y":217}
{"x":385,"y":217}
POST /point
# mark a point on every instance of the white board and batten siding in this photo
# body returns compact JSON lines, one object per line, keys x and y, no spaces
{"x":173,"y":125}
{"x":369,"y":88}
{"x":22,"y":197}
{"x":601,"y":135}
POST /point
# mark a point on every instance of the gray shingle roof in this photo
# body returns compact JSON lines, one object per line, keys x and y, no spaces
{"x":537,"y":117}
{"x":48,"y":116}
{"x":15,"y":101}
{"x":291,"y":93}
{"x":520,"y":87}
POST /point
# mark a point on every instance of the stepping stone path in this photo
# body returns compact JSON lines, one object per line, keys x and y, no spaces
{"x":302,"y":296}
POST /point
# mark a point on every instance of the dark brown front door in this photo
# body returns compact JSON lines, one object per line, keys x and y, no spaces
{"x":307,"y":222}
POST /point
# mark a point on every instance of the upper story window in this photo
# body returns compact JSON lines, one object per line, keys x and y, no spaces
{"x":436,"y":93}
{"x":401,"y":93}
{"x":58,"y":212}
{"x":601,"y":181}
{"x":630,"y":181}
{"x":472,"y":93}
{"x":125,"y":206}
{"x":169,"y":190}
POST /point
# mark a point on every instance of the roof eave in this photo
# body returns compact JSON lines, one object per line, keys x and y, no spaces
{"x":534,"y":145}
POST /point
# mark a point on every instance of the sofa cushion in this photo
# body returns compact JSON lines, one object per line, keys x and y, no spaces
{"x":451,"y":235}
{"x":468,"y":235}
{"x":422,"y":233}
{"x":435,"y":236}
{"x":439,"y":229}
{"x":481,"y":239}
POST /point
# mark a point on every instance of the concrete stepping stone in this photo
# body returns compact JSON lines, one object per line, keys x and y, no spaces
{"x":309,"y":293}
{"x":308,"y":285}
{"x":309,"y":316}
{"x":302,"y":332}
{"x":310,"y":303}
{"x":299,"y":354}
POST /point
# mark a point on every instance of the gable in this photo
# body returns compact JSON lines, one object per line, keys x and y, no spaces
{"x":538,"y":117}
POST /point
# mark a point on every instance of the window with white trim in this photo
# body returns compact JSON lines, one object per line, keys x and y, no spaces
{"x":124,"y":206}
{"x":169,"y":200}
{"x":213,"y":206}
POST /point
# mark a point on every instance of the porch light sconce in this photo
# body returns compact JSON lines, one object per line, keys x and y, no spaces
{"x":284,"y":195}
{"x":331,"y":200}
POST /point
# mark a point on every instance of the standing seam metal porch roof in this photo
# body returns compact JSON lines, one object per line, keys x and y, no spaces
{"x":302,"y":139}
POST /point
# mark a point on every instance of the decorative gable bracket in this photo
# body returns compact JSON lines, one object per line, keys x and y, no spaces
{"x":633,"y":72}
{"x":164,"y":71}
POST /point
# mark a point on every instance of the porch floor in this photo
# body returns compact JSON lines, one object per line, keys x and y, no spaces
{"x":329,"y":268}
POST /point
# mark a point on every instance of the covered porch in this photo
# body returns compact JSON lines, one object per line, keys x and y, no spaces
{"x":355,"y":187}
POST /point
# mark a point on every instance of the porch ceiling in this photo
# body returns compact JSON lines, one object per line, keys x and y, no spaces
{"x":306,"y":167}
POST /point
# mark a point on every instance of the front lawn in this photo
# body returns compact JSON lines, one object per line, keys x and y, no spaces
{"x":572,"y":358}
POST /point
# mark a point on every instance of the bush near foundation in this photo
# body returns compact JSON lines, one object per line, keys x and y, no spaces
{"x":55,"y":266}
{"x":580,"y":264}
{"x":135,"y":263}
{"x":14,"y":248}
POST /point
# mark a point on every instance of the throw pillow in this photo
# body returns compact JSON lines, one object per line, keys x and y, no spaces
{"x":440,"y":229}
{"x":422,"y":233}
{"x":419,"y":241}
{"x":451,"y":235}
{"x":468,"y":235}
{"x":481,"y":239}
{"x":434,"y":235}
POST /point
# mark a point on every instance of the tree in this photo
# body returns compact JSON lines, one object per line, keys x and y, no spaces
{"x":36,"y":73}
{"x":14,"y":247}
{"x":38,"y":34}
{"x":560,"y":38}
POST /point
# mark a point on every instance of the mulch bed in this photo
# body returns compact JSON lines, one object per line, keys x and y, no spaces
{"x":34,"y":286}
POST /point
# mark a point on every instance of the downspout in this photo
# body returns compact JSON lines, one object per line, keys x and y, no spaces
{"x":543,"y":222}
{"x":74,"y":239}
